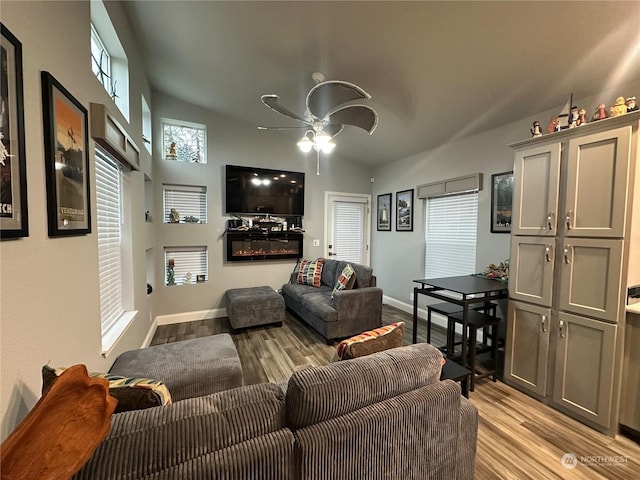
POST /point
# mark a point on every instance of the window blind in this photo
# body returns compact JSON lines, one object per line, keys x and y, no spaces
{"x":348,"y":227}
{"x":108,"y":201}
{"x":193,"y":260}
{"x":189,"y":201}
{"x":450,"y":235}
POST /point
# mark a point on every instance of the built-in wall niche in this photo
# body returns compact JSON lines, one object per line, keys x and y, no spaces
{"x":186,"y":265}
{"x":150,"y":270}
{"x":185,"y":203}
{"x":148,"y":199}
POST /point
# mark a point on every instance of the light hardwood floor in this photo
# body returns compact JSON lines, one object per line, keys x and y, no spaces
{"x":519,"y":438}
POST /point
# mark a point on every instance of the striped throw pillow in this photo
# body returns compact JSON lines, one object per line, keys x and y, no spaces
{"x":310,"y":272}
{"x":378,"y":340}
{"x":345,"y":280}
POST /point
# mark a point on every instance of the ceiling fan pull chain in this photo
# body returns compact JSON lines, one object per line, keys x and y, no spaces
{"x":318,"y":162}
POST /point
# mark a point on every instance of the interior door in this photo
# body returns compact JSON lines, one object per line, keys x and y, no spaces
{"x":348,"y":227}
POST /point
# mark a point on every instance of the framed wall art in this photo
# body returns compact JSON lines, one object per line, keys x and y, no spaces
{"x":66,"y":160}
{"x":501,"y":199}
{"x":384,"y":212}
{"x":13,"y":168}
{"x":404,"y":211}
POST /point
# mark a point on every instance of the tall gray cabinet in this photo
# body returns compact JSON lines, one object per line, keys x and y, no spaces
{"x":573,"y":238}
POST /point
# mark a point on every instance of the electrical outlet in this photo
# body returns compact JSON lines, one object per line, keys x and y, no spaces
{"x":411,"y":296}
{"x":316,"y":243}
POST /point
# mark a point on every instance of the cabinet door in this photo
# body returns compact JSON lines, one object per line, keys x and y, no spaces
{"x":531,"y":269}
{"x":527,"y":347}
{"x":596,"y":190}
{"x":591,"y":277}
{"x":583,"y":380}
{"x":536,"y":177}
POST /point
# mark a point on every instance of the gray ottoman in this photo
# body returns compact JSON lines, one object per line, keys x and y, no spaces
{"x":190,"y":368}
{"x":249,"y":307}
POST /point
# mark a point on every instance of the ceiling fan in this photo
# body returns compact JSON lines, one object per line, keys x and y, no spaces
{"x":328,"y":110}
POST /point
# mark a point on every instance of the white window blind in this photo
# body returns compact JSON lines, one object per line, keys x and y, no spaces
{"x":193,"y":260}
{"x":108,"y":206}
{"x":450,"y":235}
{"x":189,"y":201}
{"x":348,"y":228}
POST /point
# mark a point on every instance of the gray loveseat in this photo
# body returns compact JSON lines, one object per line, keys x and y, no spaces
{"x":350,"y":313}
{"x":383,"y":416}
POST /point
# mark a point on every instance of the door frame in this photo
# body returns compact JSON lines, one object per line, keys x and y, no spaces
{"x":367,"y":221}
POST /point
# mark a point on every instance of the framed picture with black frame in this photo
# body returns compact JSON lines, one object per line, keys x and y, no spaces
{"x":66,"y":141}
{"x":501,"y":201}
{"x":404,"y":211}
{"x":14,"y":218}
{"x":384,"y":212}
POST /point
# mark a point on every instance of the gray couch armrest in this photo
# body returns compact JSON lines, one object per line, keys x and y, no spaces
{"x":467,"y":440}
{"x":365,"y":303}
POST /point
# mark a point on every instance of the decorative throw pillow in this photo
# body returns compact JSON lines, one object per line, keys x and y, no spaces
{"x":346,"y":280}
{"x":310,"y":272}
{"x":131,"y":393}
{"x":383,"y":338}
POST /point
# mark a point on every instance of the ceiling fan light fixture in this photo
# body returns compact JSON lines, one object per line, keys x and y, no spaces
{"x":328,"y":147}
{"x":305,"y":144}
{"x":321,"y":139}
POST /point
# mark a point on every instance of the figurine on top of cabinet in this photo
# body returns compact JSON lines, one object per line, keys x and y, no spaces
{"x":535,"y":130}
{"x":631,"y":105}
{"x":572,"y":121}
{"x":600,"y":113}
{"x":619,"y":108}
{"x":554,"y":125}
{"x":582,"y":117}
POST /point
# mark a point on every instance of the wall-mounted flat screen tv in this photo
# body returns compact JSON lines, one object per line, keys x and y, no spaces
{"x":252,"y":190}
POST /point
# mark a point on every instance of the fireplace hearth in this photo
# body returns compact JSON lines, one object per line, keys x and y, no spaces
{"x":262,"y":245}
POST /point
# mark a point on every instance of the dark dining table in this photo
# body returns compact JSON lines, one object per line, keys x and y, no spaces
{"x":469,"y":290}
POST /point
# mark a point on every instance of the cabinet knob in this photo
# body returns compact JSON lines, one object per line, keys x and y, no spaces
{"x":561,"y":329}
{"x":548,"y":253}
{"x":543,"y":323}
{"x":567,"y":260}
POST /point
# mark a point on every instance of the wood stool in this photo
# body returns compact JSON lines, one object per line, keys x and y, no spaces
{"x":476,"y":321}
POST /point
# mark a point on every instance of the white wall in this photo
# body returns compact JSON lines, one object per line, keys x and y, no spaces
{"x":398,"y":257}
{"x":232,"y":142}
{"x":49,"y":308}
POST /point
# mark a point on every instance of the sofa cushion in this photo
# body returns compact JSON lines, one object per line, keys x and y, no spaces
{"x":319,"y":304}
{"x":131,"y":393}
{"x":372,"y":341}
{"x":311,"y":392}
{"x":157,"y":439}
{"x":363,"y":275}
{"x":330,"y":272}
{"x":310,"y":272}
{"x":345,"y":280}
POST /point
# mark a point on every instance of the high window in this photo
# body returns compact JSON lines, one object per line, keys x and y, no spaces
{"x":184,"y":142}
{"x":109,"y":61}
{"x":185,"y":204}
{"x":450,"y":235}
{"x":186,"y":265}
{"x":113,"y":248}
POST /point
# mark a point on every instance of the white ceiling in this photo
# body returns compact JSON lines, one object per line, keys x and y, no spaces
{"x":436,"y":71}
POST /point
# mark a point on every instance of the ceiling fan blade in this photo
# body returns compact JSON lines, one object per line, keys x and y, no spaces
{"x":301,"y":127}
{"x":272,"y":101}
{"x":357,"y":115}
{"x":332,"y":129}
{"x":325,"y":96}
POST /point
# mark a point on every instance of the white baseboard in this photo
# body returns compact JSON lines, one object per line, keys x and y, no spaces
{"x":152,"y":332}
{"x":436,"y":318}
{"x":190,"y":316}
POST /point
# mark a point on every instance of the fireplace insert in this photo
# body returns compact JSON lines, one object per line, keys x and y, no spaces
{"x":263,"y":245}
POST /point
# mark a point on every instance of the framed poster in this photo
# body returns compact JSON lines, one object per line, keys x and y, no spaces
{"x":404,"y":211}
{"x":66,"y":160}
{"x":384,"y":212}
{"x":501,"y":198}
{"x":14,"y":221}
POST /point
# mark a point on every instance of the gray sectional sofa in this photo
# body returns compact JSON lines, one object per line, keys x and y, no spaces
{"x":383,"y":416}
{"x":351,"y":312}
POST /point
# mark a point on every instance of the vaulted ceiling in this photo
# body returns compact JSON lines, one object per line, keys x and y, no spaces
{"x":436,"y":71}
